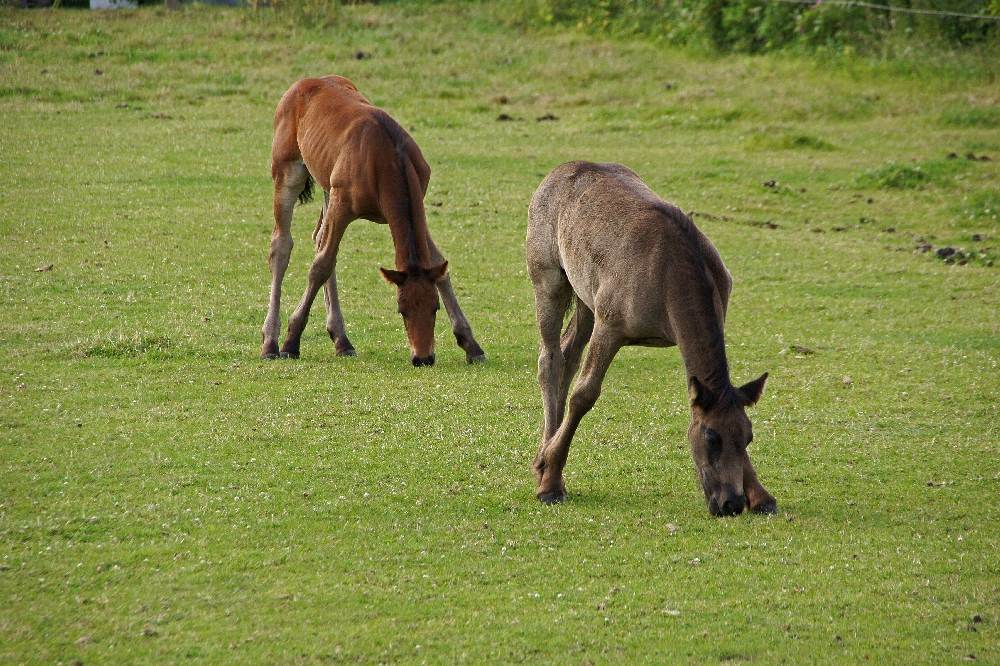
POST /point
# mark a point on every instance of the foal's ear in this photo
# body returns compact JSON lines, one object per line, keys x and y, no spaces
{"x":393,"y":277}
{"x":437,"y":272}
{"x":701,"y":396}
{"x":752,"y":391}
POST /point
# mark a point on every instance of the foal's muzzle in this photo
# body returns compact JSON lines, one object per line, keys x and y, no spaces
{"x":422,"y":360}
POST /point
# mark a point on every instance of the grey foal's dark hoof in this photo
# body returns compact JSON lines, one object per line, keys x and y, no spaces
{"x":476,"y":359}
{"x":767,"y":508}
{"x":347,"y":352}
{"x":290,"y":355}
{"x":552,"y":497}
{"x":268,"y":357}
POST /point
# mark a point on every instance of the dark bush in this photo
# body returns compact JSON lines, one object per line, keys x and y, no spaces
{"x":752,"y":26}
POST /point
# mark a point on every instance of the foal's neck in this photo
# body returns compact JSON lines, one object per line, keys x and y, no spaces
{"x":699,"y":335}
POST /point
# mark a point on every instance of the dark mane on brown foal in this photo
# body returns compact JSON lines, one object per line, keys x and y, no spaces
{"x":399,"y":138}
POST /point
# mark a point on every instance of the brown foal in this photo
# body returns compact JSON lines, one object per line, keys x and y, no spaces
{"x":369,"y":168}
{"x":641,"y":273}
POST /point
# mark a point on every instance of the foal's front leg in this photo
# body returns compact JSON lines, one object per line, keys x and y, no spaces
{"x":335,"y":319}
{"x":758,"y":499}
{"x":551,"y":460}
{"x":459,"y":324}
{"x":338,"y":216}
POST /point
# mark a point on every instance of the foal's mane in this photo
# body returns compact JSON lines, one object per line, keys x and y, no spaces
{"x":400,"y":139}
{"x":710,"y":338}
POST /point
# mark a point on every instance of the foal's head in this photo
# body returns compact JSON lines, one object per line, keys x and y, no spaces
{"x":417,"y":300}
{"x":719,"y":434}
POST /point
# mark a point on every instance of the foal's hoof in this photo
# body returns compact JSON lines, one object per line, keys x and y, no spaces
{"x":347,"y":352}
{"x":552,"y":497}
{"x":291,"y":355}
{"x":268,"y":357}
{"x":769,"y":507}
{"x":481,"y":358}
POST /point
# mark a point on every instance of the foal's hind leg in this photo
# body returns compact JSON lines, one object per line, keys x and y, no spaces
{"x":318,"y":231}
{"x":459,"y":324}
{"x":338,"y":216}
{"x":574,"y":339}
{"x":551,"y":458}
{"x":552,"y":294}
{"x":289,"y":180}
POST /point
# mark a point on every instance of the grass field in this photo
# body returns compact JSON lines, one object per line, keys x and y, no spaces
{"x":166,"y":497}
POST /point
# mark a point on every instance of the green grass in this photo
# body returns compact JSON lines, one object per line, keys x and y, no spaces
{"x":894,"y":176}
{"x":792,"y":142}
{"x":967,"y":116}
{"x":166,"y":497}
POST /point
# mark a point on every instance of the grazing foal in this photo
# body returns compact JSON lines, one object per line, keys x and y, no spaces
{"x":641,"y":273}
{"x":370,"y":168}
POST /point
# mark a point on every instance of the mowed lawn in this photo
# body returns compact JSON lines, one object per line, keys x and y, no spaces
{"x":166,"y":497}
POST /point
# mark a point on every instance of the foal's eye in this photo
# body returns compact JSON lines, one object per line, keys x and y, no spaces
{"x":714,"y":445}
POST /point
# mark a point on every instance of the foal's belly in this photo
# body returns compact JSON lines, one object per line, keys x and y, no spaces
{"x":649,"y":342}
{"x":640,"y":323}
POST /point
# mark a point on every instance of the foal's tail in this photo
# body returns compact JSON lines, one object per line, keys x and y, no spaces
{"x":306,"y":195}
{"x":570,"y":308}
